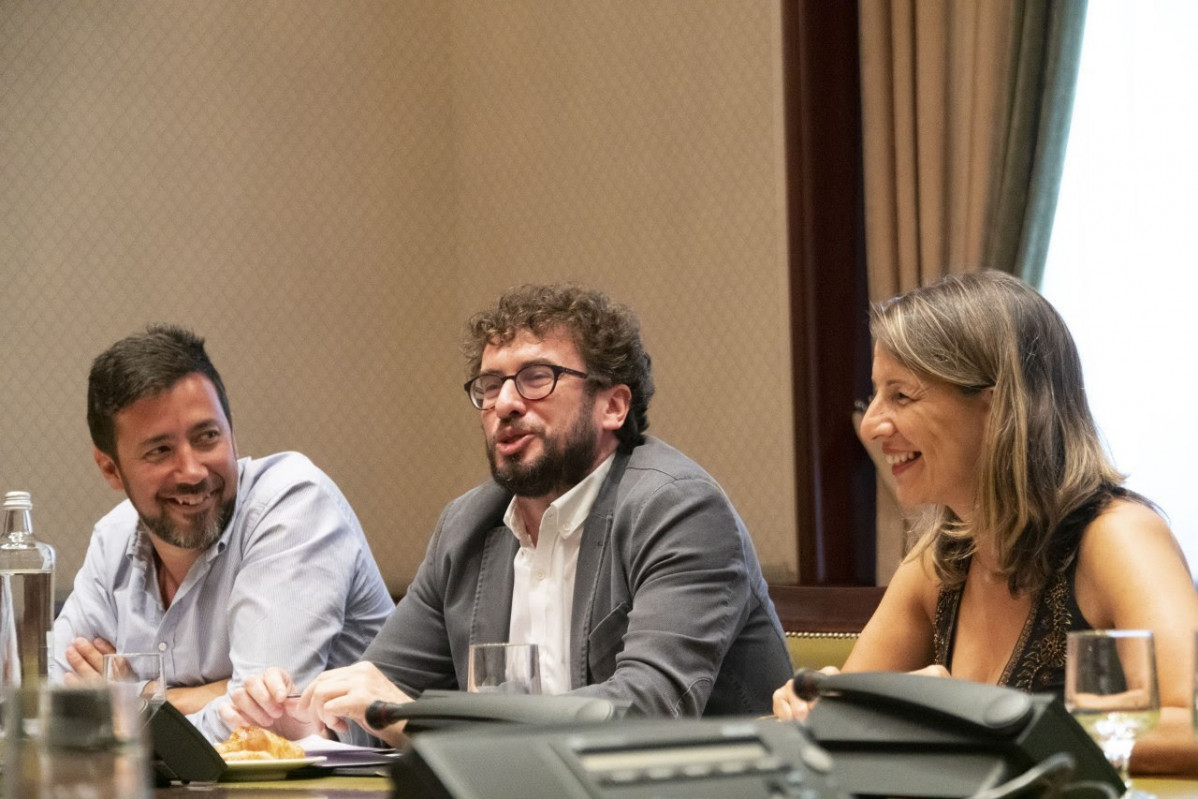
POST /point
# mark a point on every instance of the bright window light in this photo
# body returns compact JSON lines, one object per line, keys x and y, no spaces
{"x":1123,"y":263}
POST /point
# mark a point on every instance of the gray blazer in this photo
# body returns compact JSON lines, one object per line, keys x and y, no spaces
{"x":671,"y":612}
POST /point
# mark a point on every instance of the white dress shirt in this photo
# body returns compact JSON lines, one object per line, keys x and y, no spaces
{"x":543,"y":591}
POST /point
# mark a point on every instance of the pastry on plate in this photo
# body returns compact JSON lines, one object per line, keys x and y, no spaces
{"x":255,"y":743}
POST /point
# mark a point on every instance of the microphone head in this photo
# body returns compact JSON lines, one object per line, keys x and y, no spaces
{"x":377,"y":716}
{"x":808,"y":682}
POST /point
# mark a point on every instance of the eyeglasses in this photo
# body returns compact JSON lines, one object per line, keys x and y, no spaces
{"x":533,"y":382}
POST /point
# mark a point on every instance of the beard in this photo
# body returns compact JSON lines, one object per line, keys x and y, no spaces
{"x":202,"y":533}
{"x":566,"y":460}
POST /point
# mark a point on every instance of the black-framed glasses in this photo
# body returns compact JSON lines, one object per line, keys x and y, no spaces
{"x":533,"y":382}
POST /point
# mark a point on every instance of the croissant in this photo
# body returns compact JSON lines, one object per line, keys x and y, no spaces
{"x":255,"y":743}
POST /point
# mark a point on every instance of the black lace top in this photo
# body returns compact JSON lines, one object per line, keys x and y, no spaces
{"x":1037,"y":664}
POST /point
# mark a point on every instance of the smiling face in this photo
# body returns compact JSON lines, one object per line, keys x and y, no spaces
{"x":177,"y":463}
{"x":542,"y":448}
{"x":931,"y":433}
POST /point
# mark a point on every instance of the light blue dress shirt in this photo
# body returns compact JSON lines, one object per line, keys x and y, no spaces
{"x":291,"y":582}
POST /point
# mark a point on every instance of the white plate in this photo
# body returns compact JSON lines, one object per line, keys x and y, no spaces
{"x":266,"y":769}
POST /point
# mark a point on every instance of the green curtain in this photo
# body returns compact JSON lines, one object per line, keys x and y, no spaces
{"x":1041,"y":102}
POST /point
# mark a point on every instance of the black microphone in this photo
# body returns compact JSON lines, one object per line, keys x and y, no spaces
{"x":808,"y":683}
{"x":380,"y":714}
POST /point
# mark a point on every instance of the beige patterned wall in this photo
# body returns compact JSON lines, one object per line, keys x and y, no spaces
{"x":326,"y":189}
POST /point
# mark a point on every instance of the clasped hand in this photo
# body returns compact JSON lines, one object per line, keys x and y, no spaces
{"x":86,"y":659}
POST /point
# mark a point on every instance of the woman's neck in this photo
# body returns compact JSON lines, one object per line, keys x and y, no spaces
{"x":985,"y":562}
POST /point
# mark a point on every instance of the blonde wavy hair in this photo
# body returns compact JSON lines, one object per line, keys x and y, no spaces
{"x":1041,"y":457}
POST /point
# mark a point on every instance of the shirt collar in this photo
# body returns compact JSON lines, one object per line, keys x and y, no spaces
{"x":140,"y":547}
{"x":566,"y":514}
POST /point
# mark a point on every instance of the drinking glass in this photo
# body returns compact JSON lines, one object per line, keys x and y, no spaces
{"x":143,"y":668}
{"x":1194,"y":685}
{"x":504,"y":669}
{"x":75,"y":742}
{"x":1110,"y":688}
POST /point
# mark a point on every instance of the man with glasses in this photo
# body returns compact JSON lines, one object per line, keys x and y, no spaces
{"x":615,"y":553}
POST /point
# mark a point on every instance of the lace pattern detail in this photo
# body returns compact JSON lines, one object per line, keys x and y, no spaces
{"x":947,"y":602}
{"x":1037,"y":664}
{"x":1041,"y":666}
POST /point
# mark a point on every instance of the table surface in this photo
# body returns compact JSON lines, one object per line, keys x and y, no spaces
{"x":1162,"y":787}
{"x":380,"y":788}
{"x":308,"y":788}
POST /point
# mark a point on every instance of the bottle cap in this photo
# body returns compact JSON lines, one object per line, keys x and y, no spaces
{"x":18,"y":500}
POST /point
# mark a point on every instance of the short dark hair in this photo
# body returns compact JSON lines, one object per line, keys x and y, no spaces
{"x":607,"y":334}
{"x":143,"y":365}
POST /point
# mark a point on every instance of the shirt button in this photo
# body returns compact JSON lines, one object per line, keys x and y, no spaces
{"x":539,"y":575}
{"x":161,"y":646}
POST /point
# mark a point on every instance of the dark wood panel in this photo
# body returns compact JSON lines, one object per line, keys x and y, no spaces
{"x":825,"y":609}
{"x":829,"y":296}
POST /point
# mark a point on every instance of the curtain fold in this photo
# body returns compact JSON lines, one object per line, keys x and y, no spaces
{"x":1041,"y":107}
{"x":965,"y":114}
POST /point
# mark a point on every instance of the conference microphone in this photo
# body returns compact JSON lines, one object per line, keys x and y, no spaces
{"x":380,"y":714}
{"x":808,"y":682}
{"x":436,"y":708}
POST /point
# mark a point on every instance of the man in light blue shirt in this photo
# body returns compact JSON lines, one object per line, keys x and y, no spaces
{"x":224,"y":565}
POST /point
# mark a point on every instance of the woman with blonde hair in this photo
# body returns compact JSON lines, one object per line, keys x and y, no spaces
{"x":1027,"y":532}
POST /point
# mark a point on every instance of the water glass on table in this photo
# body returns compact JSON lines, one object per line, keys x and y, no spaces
{"x":75,"y":742}
{"x":1194,"y":693}
{"x":504,"y":669}
{"x":144,"y":669}
{"x":1111,"y":689}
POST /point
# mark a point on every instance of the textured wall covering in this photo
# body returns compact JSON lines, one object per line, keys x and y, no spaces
{"x":325,"y":190}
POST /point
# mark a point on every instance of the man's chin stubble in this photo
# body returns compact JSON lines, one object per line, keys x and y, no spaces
{"x":201,"y":536}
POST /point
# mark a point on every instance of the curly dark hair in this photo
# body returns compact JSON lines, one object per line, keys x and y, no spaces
{"x":607,"y":334}
{"x":143,"y":365}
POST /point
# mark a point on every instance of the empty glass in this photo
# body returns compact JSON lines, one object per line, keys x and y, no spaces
{"x":143,"y":669}
{"x":1194,"y":685}
{"x":1111,"y":689}
{"x":504,"y":669}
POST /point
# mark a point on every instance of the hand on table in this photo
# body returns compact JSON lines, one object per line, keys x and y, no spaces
{"x":268,"y":700}
{"x":789,"y":707}
{"x":787,"y":704}
{"x":935,"y":670}
{"x":330,"y":702}
{"x":342,"y":695}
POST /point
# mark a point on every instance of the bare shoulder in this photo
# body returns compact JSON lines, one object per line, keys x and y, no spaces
{"x":915,"y":579}
{"x":913,"y":589}
{"x":1128,"y":525}
{"x":926,"y":581}
{"x":1130,"y":567}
